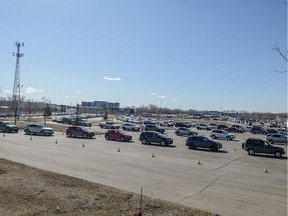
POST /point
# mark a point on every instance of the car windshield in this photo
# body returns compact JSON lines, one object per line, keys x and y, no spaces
{"x":207,"y":139}
{"x":162,"y":135}
{"x":8,"y":123}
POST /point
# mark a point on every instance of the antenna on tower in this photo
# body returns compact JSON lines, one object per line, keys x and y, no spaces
{"x":17,"y":85}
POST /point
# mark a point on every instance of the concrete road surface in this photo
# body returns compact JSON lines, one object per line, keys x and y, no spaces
{"x":228,"y":182}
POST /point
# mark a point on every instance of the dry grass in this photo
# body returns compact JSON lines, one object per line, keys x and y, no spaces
{"x":29,"y":191}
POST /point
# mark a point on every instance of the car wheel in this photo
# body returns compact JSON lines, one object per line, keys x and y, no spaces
{"x":253,"y":132}
{"x":251,"y":151}
{"x":264,"y":133}
{"x":213,"y":148}
{"x":122,"y":139}
{"x":278,"y":154}
{"x":144,"y":141}
{"x":69,"y":134}
{"x":271,"y":141}
{"x":162,"y":143}
{"x":192,"y":146}
{"x":27,"y":132}
{"x":228,"y":138}
{"x":42,"y":133}
{"x":85,"y":136}
{"x":213,"y":137}
{"x":7,"y":130}
{"x":178,"y":133}
{"x":107,"y":137}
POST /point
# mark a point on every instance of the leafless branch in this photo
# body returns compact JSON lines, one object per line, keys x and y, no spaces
{"x":277,"y":49}
{"x":280,"y":71}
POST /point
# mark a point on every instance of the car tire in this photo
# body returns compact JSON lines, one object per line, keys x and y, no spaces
{"x":122,"y":139}
{"x":213,"y":148}
{"x":253,"y":132}
{"x":178,"y":133}
{"x":162,"y":143}
{"x":27,"y":132}
{"x":228,"y":138}
{"x":277,"y":154}
{"x":69,"y":134}
{"x":213,"y":137}
{"x":107,"y":137}
{"x":144,"y":141}
{"x":85,"y":135}
{"x":192,"y":146}
{"x":271,"y":141}
{"x":264,"y":133}
{"x":251,"y":151}
{"x":42,"y":133}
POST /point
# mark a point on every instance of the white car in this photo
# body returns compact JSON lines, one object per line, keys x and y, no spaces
{"x":201,"y":127}
{"x":185,"y":131}
{"x":221,"y":134}
{"x":40,"y":129}
{"x":130,"y":127}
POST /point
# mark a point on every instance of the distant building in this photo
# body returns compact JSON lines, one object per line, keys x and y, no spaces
{"x":101,"y":104}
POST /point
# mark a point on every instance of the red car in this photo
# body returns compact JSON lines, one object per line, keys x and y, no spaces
{"x":117,"y":135}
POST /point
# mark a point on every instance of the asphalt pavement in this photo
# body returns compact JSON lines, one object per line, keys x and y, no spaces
{"x":227,"y":182}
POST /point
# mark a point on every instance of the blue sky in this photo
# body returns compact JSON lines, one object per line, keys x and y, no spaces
{"x":188,"y":54}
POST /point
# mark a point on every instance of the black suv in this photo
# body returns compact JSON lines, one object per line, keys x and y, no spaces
{"x":254,"y":145}
{"x":150,"y":127}
{"x":203,"y":142}
{"x":148,"y":137}
{"x":182,"y":124}
{"x":258,"y":130}
{"x":7,"y":126}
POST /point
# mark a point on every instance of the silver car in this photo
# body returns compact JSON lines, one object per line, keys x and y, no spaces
{"x":40,"y":129}
{"x":182,"y":131}
{"x":218,"y":134}
{"x":276,"y":138}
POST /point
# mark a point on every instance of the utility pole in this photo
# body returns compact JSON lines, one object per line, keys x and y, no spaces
{"x":17,"y":86}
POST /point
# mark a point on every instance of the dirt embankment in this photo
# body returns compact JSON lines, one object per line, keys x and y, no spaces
{"x":29,"y":191}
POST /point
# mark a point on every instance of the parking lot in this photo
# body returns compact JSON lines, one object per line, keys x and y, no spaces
{"x":227,"y":182}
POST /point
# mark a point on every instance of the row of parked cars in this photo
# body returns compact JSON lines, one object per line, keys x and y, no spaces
{"x":152,"y":135}
{"x":40,"y":129}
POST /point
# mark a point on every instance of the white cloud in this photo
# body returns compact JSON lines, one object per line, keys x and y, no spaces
{"x":77,"y":92}
{"x":112,"y":78}
{"x":31,"y":90}
{"x":7,"y":91}
{"x":153,"y":94}
{"x":66,"y":97}
{"x":161,"y":96}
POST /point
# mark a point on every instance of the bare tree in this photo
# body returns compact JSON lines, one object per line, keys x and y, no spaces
{"x":46,"y":110}
{"x":14,"y":105}
{"x":31,"y":107}
{"x":282,"y":54}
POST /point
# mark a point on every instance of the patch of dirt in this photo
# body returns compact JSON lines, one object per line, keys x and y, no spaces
{"x":28,"y":191}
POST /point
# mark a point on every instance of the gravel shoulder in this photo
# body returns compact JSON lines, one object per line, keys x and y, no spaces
{"x":29,"y":191}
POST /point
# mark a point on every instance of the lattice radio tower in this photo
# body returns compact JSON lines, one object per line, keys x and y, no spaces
{"x":17,"y":86}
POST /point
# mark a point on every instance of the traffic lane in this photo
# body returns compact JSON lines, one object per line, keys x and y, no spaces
{"x":174,"y":173}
